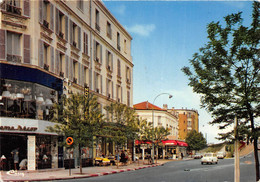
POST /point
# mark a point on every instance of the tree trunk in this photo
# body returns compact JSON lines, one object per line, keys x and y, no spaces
{"x":80,"y":160}
{"x":255,"y":138}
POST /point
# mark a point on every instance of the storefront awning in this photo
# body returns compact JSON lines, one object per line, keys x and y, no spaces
{"x":138,"y":142}
{"x":182,"y":144}
{"x":169,"y":142}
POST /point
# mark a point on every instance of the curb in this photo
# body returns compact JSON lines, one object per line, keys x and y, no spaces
{"x":88,"y":175}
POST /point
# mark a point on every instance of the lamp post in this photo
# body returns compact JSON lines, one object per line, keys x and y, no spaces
{"x":170,"y":96}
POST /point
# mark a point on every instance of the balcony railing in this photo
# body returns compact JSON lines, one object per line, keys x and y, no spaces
{"x":13,"y":9}
{"x":61,"y":34}
{"x":62,"y":74}
{"x":75,"y":80}
{"x":14,"y":58}
{"x":46,"y":67}
{"x":45,"y":24}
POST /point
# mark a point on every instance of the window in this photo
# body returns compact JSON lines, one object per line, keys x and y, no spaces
{"x":109,"y":89}
{"x":119,"y":93}
{"x":61,"y":24}
{"x":75,"y":35}
{"x":128,"y":75}
{"x":13,"y":6}
{"x":62,"y":64}
{"x":46,"y":14}
{"x":109,"y":30}
{"x":75,"y":71}
{"x":86,"y":75}
{"x":97,"y":83}
{"x":118,"y":68}
{"x":13,"y":47}
{"x":80,"y":4}
{"x":97,"y":20}
{"x":85,"y":50}
{"x":45,"y":56}
{"x":125,"y":46}
{"x":74,"y":27}
{"x":109,"y":61}
{"x":159,"y":121}
{"x":118,"y":41}
{"x":97,"y":52}
{"x":128,"y":98}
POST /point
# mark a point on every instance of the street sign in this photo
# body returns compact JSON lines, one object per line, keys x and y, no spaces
{"x":69,"y":140}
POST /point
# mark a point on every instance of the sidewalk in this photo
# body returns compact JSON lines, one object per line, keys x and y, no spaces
{"x":61,"y":173}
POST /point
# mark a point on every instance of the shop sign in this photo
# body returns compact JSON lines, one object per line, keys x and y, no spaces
{"x":18,"y":128}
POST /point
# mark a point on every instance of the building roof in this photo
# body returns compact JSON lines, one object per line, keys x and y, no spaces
{"x":147,"y":106}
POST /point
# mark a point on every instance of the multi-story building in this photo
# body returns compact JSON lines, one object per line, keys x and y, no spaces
{"x":161,"y":117}
{"x":188,"y":121}
{"x":49,"y":48}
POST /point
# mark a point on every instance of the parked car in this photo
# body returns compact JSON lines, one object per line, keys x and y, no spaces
{"x":209,"y":158}
{"x":198,"y":156}
{"x":220,"y":155}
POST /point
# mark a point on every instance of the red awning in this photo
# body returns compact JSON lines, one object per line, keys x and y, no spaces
{"x":138,"y":142}
{"x":169,"y":142}
{"x":182,"y":144}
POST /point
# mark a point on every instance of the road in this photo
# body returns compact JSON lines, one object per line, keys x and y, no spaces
{"x":186,"y":171}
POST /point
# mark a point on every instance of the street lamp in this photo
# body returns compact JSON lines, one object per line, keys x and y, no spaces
{"x":170,"y":96}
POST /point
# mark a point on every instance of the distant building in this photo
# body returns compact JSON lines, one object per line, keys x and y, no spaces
{"x":161,"y":117}
{"x":188,"y":121}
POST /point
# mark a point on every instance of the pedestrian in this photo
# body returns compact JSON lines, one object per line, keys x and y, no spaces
{"x":122,"y":157}
{"x":3,"y":163}
{"x":15,"y":154}
{"x":181,"y":155}
{"x":23,"y":164}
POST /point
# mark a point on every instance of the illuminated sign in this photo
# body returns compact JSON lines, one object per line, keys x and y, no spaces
{"x":18,"y":128}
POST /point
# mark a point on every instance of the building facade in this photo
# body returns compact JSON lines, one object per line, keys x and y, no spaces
{"x":49,"y":48}
{"x":188,"y":121}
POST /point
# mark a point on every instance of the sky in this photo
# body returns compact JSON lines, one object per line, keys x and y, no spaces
{"x":165,"y":36}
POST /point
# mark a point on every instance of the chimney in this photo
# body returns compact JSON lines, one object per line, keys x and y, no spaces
{"x":165,"y":106}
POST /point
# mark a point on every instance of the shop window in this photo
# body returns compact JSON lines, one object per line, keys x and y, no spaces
{"x":26,"y":100}
{"x":14,"y":47}
{"x":43,"y":152}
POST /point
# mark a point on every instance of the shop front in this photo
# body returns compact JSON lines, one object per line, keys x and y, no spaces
{"x":26,"y":139}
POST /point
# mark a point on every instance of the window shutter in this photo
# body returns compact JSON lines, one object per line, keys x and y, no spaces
{"x":107,"y":86}
{"x":2,"y":45}
{"x":107,"y":61}
{"x":112,"y":62}
{"x":101,"y":84}
{"x":121,"y":94}
{"x":57,"y":21}
{"x":52,"y":59}
{"x":71,"y":32}
{"x":67,"y":66}
{"x":83,"y":76}
{"x":71,"y":69}
{"x":40,"y":11}
{"x":95,"y":50}
{"x":112,"y":95}
{"x":41,"y":53}
{"x":66,"y":27}
{"x":57,"y":65}
{"x":90,"y":78}
{"x":79,"y":75}
{"x":86,"y":43}
{"x":26,"y":49}
{"x":26,"y":8}
{"x":51,"y":17}
{"x":79,"y":38}
{"x":95,"y":81}
{"x":100,"y":53}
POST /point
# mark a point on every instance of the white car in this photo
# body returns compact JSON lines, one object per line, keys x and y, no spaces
{"x":209,"y":158}
{"x":220,"y":155}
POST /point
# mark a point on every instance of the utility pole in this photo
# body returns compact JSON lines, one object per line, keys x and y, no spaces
{"x":237,"y":168}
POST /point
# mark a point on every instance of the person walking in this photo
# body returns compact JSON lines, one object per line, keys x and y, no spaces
{"x":15,"y":154}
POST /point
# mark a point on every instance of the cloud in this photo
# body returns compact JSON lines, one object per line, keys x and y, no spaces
{"x":120,"y":9}
{"x":142,"y":30}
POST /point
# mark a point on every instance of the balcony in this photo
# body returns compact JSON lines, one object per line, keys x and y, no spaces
{"x":61,"y":35}
{"x":75,"y":80}
{"x":13,"y":9}
{"x":46,"y":24}
{"x":14,"y":58}
{"x":46,"y":67}
{"x":74,"y":44}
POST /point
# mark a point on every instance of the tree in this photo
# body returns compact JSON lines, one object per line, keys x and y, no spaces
{"x":122,"y":123}
{"x":195,"y":140}
{"x":73,"y":121}
{"x":226,"y":74}
{"x":160,"y":133}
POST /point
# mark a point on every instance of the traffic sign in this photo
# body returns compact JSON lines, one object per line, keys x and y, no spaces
{"x":69,"y":140}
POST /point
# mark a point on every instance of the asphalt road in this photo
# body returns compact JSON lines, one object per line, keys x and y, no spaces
{"x":186,"y":171}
